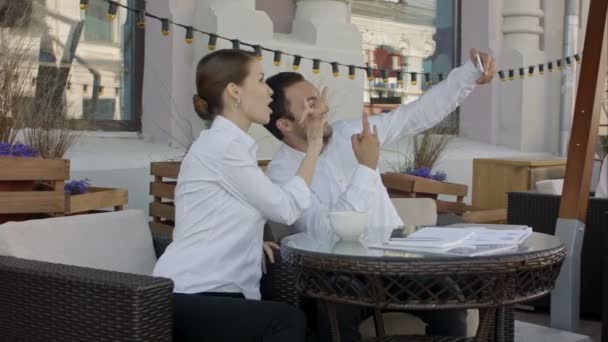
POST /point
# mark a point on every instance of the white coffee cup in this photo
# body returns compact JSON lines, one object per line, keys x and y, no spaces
{"x":348,"y":225}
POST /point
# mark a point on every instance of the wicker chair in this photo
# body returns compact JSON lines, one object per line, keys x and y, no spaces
{"x":540,"y":211}
{"x":41,"y":301}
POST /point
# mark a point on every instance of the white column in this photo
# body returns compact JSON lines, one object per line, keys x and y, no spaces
{"x":156,"y":117}
{"x":524,"y":122}
{"x":325,"y":23}
{"x":481,"y":29}
{"x":521,"y":23}
{"x":185,"y":123}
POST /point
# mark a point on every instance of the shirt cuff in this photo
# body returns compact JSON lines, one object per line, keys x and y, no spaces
{"x":366,"y":178}
{"x":299,"y":191}
{"x":470,"y":72}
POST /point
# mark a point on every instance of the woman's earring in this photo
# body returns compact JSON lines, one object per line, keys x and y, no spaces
{"x":238,"y":103}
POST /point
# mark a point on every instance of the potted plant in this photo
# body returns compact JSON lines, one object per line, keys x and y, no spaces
{"x":418,"y":164}
{"x":83,"y":198}
{"x":21,"y":172}
{"x":415,"y":176}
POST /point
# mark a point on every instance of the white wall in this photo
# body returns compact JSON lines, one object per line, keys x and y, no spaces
{"x":170,"y":63}
{"x":280,"y":12}
{"x":521,"y":115}
{"x":480,"y":29}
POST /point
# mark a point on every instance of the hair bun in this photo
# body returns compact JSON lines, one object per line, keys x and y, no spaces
{"x":201,"y":107}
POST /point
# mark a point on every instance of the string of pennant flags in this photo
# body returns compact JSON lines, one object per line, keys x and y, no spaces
{"x":371,"y":73}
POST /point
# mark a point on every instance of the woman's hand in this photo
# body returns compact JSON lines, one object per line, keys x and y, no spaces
{"x":268,"y":252}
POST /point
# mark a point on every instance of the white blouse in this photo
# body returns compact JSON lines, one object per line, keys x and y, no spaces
{"x":222,"y":200}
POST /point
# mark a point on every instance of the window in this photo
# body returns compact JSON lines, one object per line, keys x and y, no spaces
{"x":83,"y":56}
{"x":411,"y":36}
{"x":100,"y":109}
{"x":96,"y":27}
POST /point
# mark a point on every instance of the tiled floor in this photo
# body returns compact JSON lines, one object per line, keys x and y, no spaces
{"x":591,"y":328}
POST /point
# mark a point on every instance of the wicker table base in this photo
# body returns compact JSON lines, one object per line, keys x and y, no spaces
{"x":420,"y":339}
{"x":413,"y":282}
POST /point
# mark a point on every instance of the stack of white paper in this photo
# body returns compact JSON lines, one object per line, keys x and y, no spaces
{"x":473,"y":241}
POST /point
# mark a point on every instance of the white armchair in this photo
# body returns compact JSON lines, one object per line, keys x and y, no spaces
{"x":416,"y":211}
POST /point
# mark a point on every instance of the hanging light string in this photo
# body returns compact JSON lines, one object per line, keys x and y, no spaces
{"x":85,"y":86}
{"x":371,"y":73}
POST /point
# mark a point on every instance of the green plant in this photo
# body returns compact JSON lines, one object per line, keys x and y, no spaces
{"x":424,"y":152}
{"x":430,"y":146}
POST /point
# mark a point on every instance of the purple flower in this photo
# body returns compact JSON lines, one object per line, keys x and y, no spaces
{"x":17,"y":150}
{"x":77,"y":187}
{"x":426,"y":172}
{"x":440,"y":176}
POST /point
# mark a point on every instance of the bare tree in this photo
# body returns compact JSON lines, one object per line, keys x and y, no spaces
{"x":41,"y":118}
{"x":15,"y":67}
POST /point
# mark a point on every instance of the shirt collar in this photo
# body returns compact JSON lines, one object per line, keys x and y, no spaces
{"x":228,"y":126}
{"x":292,"y":151}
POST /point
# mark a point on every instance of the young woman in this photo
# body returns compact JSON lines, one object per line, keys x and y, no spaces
{"x":222,"y":200}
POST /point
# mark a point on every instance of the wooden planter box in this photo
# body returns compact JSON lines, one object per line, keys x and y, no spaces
{"x":162,"y":188}
{"x":17,"y":196}
{"x":401,"y":185}
{"x":97,"y":198}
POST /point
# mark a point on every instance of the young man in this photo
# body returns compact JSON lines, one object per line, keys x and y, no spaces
{"x":346,"y":176}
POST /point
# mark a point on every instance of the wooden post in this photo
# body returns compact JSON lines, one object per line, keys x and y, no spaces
{"x":565,"y":302}
{"x":587,"y":111}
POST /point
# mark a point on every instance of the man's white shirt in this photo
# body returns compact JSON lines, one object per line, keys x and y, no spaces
{"x":340,"y":183}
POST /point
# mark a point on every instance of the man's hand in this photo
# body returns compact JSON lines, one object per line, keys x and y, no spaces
{"x":366,"y":145}
{"x":315,"y":106}
{"x":268,"y":251}
{"x":315,"y":116}
{"x":489,"y":65}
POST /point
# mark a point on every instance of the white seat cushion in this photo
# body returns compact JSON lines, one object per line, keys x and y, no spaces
{"x":395,"y":323}
{"x":116,"y":241}
{"x":550,"y":186}
{"x":416,"y":211}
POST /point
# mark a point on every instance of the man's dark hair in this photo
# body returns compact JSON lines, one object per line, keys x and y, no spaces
{"x":280,"y":105}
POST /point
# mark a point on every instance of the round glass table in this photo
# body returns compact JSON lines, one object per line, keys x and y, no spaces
{"x":349,"y":273}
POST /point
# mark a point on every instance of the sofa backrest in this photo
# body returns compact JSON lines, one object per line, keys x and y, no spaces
{"x":550,"y":186}
{"x":116,"y":241}
{"x":416,"y":211}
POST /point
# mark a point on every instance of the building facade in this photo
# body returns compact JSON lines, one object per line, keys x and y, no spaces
{"x":504,"y":118}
